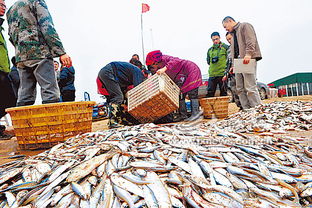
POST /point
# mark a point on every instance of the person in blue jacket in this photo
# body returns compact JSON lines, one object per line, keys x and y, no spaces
{"x":66,"y":84}
{"x":116,"y":78}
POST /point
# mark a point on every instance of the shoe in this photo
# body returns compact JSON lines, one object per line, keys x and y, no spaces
{"x":2,"y":128}
{"x":4,"y":136}
{"x":194,"y":117}
{"x":179,"y":118}
{"x":115,"y":126}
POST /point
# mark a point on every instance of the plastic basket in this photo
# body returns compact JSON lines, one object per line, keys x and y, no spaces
{"x":43,"y":126}
{"x":218,"y":106}
{"x":154,"y":98}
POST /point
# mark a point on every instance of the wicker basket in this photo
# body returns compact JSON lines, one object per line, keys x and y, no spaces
{"x":215,"y":105}
{"x":155,"y":98}
{"x":43,"y":126}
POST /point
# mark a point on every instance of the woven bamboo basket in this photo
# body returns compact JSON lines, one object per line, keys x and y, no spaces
{"x":43,"y":126}
{"x":218,"y":106}
{"x":154,"y":98}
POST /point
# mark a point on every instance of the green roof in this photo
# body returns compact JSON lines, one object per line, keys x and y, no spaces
{"x":304,"y":77}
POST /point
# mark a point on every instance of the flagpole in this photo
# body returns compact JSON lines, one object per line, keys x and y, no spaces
{"x":142,"y":38}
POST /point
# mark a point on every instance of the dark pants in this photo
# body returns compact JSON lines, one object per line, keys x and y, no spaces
{"x":192,"y":94}
{"x":213,"y":82}
{"x":107,"y":77}
{"x":8,"y":98}
{"x":68,"y":95}
{"x":232,"y":83}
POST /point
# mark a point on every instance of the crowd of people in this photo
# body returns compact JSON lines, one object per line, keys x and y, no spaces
{"x":37,"y":44}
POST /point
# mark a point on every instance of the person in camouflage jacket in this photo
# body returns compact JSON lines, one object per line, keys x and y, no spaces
{"x":36,"y":43}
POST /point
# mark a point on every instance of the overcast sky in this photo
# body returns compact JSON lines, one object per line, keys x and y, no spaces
{"x":96,"y":32}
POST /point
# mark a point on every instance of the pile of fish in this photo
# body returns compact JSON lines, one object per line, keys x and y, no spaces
{"x":273,"y":117}
{"x":163,"y":166}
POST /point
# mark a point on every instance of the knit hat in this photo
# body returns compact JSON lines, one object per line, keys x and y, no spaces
{"x":152,"y":57}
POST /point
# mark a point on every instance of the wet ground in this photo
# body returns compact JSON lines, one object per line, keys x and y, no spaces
{"x":9,"y":148}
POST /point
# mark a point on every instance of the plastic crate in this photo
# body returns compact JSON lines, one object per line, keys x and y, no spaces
{"x":218,"y":106}
{"x":154,"y":98}
{"x":43,"y":126}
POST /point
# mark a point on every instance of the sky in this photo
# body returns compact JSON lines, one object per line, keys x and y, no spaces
{"x":97,"y":32}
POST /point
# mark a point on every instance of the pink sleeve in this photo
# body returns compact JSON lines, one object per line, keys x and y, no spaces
{"x":172,"y":62}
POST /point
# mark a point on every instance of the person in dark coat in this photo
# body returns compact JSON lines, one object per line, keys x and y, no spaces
{"x":66,"y":84}
{"x":116,"y":77}
{"x":14,"y":77}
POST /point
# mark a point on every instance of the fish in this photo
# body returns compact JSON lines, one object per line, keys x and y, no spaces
{"x":87,"y":167}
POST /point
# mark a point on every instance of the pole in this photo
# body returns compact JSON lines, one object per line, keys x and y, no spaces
{"x":142,"y":38}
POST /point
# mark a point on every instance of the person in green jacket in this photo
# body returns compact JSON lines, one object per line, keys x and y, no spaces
{"x":7,"y":99}
{"x":216,"y":58}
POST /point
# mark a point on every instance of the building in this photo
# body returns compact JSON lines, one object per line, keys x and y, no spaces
{"x":294,"y":85}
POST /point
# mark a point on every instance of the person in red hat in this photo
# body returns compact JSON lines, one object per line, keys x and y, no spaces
{"x":186,"y":74}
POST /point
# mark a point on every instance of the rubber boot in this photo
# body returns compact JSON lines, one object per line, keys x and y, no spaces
{"x":114,"y":116}
{"x":182,"y":111}
{"x":196,"y":113}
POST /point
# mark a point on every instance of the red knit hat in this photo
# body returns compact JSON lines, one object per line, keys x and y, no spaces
{"x":152,"y":57}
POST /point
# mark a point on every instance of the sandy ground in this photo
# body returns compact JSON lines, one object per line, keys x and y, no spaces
{"x":10,"y":147}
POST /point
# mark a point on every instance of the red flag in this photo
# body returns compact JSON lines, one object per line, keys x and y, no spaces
{"x":145,"y":8}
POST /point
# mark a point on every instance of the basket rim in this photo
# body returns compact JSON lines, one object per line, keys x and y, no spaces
{"x":48,"y":105}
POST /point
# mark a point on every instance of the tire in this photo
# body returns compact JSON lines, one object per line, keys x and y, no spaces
{"x":231,"y":96}
{"x":262,"y":94}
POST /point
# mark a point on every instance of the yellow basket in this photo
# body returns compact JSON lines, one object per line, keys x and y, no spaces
{"x":215,"y":105}
{"x":43,"y":126}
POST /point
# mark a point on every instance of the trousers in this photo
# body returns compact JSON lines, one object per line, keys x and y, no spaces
{"x":246,"y":86}
{"x":41,"y":72}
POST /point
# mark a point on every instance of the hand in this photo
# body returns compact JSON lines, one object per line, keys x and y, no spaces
{"x":66,"y":60}
{"x":161,"y":71}
{"x":246,"y":59}
{"x":231,"y":70}
{"x":224,"y":78}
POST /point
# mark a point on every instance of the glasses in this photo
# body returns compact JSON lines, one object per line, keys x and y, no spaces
{"x":215,"y":39}
{"x":3,"y":5}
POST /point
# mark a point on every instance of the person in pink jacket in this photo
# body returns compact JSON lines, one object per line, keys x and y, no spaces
{"x":186,"y":74}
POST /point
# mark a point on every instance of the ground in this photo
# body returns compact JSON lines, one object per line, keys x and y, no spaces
{"x":10,"y":147}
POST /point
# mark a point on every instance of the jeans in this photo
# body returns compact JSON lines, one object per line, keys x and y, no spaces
{"x":213,"y":82}
{"x":41,"y":71}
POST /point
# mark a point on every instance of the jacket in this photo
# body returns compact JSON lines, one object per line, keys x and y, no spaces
{"x":218,"y":68}
{"x":247,"y":41}
{"x":67,"y":79}
{"x":184,"y":73}
{"x":4,"y":58}
{"x":32,"y":32}
{"x":15,"y":80}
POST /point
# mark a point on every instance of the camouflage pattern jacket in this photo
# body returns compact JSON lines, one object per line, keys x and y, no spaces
{"x":32,"y":32}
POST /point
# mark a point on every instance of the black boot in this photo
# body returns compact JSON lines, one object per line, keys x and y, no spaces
{"x":182,"y":112}
{"x":196,"y":113}
{"x":114,"y":116}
